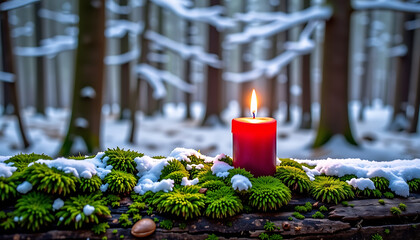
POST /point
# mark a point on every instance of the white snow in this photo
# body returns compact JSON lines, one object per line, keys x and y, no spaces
{"x":88,"y":92}
{"x":81,"y":122}
{"x":49,"y":47}
{"x":165,"y":185}
{"x":240,"y":182}
{"x":386,"y":5}
{"x":16,"y":219}
{"x":79,"y":168}
{"x":220,"y":168}
{"x":151,"y":167}
{"x":25,"y":30}
{"x":196,"y":166}
{"x":398,"y":51}
{"x":186,"y":182}
{"x":118,"y":9}
{"x":88,"y":209}
{"x":58,"y":203}
{"x":60,"y":17}
{"x":13,"y":4}
{"x":7,"y":77}
{"x":104,"y":187}
{"x":122,"y":58}
{"x":118,"y":28}
{"x":24,"y":187}
{"x":361,"y":183}
{"x":78,"y":217}
{"x":6,"y":170}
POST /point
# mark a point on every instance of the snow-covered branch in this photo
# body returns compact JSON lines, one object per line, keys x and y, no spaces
{"x":49,"y":47}
{"x":60,"y":17}
{"x":7,"y":77}
{"x":13,"y":4}
{"x":183,"y":50}
{"x":273,"y":66}
{"x":122,"y":58}
{"x":25,"y":30}
{"x":386,"y":5}
{"x":118,"y":28}
{"x":114,"y":7}
{"x":252,"y":16}
{"x":279,"y":25}
{"x":156,"y":77}
{"x":210,"y":15}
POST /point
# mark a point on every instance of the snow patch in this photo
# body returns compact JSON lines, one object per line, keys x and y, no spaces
{"x":220,"y":168}
{"x":88,"y":209}
{"x":186,"y":182}
{"x":240,"y":182}
{"x":88,"y":92}
{"x":196,"y":166}
{"x":24,"y":187}
{"x":58,"y":203}
{"x":145,"y":185}
{"x":104,"y":187}
{"x":79,"y":168}
{"x":78,"y":217}
{"x":6,"y":170}
{"x":361,"y":183}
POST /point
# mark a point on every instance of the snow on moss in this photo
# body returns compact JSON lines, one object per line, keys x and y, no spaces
{"x":361,"y":183}
{"x":240,"y":182}
{"x":88,"y":209}
{"x":58,"y":203}
{"x":24,"y":187}
{"x":186,"y":182}
{"x":6,"y":170}
{"x":220,"y":168}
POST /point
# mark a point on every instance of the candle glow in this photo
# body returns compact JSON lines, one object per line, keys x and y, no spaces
{"x":253,"y":104}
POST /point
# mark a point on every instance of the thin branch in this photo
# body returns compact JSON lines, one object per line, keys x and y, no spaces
{"x":386,"y":5}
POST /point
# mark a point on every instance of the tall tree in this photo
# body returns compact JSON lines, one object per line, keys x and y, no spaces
{"x":306,"y":115}
{"x":144,"y":48}
{"x":8,"y":66}
{"x":287,"y":95}
{"x":40,"y":64}
{"x":187,"y":70}
{"x":334,"y":91}
{"x":416,"y":92}
{"x":214,"y":78}
{"x":272,"y":81}
{"x":125,"y":71}
{"x":85,"y":119}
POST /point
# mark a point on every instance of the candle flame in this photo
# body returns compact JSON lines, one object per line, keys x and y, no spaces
{"x":254,"y":104}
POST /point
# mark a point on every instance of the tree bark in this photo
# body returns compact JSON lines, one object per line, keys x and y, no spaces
{"x":85,"y":120}
{"x":187,"y":72}
{"x":124,"y":71}
{"x":40,"y":64}
{"x":288,"y":117}
{"x":416,"y":92}
{"x":365,"y":78}
{"x":334,"y":91}
{"x":8,"y":66}
{"x":214,"y":78}
{"x":134,"y":103}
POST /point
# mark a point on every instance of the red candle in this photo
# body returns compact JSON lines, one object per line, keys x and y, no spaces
{"x":254,"y":142}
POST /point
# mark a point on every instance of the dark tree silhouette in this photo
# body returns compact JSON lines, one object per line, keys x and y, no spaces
{"x":187,"y":70}
{"x":272,"y":81}
{"x":88,"y":82}
{"x":40,"y":63}
{"x":334,"y":92}
{"x":124,"y":70}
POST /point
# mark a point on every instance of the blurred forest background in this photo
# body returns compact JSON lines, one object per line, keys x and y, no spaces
{"x":341,"y":77}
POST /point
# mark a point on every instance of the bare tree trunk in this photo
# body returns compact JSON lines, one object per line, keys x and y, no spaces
{"x":8,"y":66}
{"x":334,"y":93}
{"x":9,"y":109}
{"x":187,"y":72}
{"x":40,"y":66}
{"x":214,"y":78}
{"x":134,"y":103}
{"x":124,"y":71}
{"x":416,"y":92}
{"x":365,"y":78}
{"x":288,"y":117}
{"x":85,"y":120}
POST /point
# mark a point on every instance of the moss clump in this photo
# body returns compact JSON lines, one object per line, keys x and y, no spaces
{"x":318,"y":214}
{"x":89,"y":185}
{"x":264,"y":236}
{"x":7,"y":188}
{"x":296,"y":179}
{"x":235,"y":171}
{"x":135,"y":208}
{"x":73,"y":210}
{"x":34,"y":211}
{"x":171,"y":167}
{"x":212,"y":237}
{"x":206,"y":176}
{"x":305,"y":208}
{"x":328,"y":190}
{"x":345,"y":203}
{"x":213,"y":185}
{"x":389,"y":195}
{"x":323,"y":209}
{"x":414,"y":184}
{"x":50,"y":180}
{"x":80,"y":157}
{"x":120,"y":182}
{"x":183,"y":201}
{"x":6,"y":221}
{"x":223,"y":203}
{"x":21,"y":161}
{"x":380,"y":183}
{"x":268,"y":193}
{"x":269,"y":226}
{"x":124,"y":220}
{"x":395,"y":211}
{"x":376,"y":236}
{"x":166,"y":224}
{"x":402,"y":206}
{"x":177,"y":176}
{"x":290,"y":162}
{"x":371,"y":193}
{"x":227,"y":160}
{"x":381,"y":201}
{"x":347,"y":177}
{"x":298,"y":215}
{"x":100,"y":228}
{"x":276,"y":236}
{"x":122,"y":160}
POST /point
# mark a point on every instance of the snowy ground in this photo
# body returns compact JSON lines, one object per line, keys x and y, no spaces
{"x":159,"y":135}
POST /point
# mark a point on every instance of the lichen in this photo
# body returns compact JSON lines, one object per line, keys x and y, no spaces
{"x":328,"y":190}
{"x":268,"y":193}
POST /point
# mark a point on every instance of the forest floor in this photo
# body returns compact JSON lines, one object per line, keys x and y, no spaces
{"x":160,"y":134}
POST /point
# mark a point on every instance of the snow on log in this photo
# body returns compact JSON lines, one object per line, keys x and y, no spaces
{"x":279,"y":25}
{"x":387,"y":5}
{"x":155,"y":78}
{"x":60,"y":17}
{"x":122,"y":58}
{"x":13,"y":4}
{"x":49,"y":47}
{"x":7,"y":77}
{"x":118,"y":28}
{"x":183,"y":50}
{"x":25,"y":30}
{"x":210,"y":15}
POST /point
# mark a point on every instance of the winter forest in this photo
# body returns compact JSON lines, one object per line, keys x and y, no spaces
{"x":340,"y":77}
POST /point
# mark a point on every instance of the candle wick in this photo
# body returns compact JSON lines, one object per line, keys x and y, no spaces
{"x":253,"y":114}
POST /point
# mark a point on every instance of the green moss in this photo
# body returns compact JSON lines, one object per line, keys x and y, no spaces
{"x":115,"y":231}
{"x":276,"y":236}
{"x":347,"y":177}
{"x":213,"y":185}
{"x":328,"y":190}
{"x":150,"y":211}
{"x":381,"y":201}
{"x":298,"y":215}
{"x":323,"y":209}
{"x":414,"y":184}
{"x":22,"y":160}
{"x":7,"y":188}
{"x":122,"y":236}
{"x":345,"y":203}
{"x":301,"y":209}
{"x":227,"y":160}
{"x":296,"y":179}
{"x":235,"y":171}
{"x":137,"y":217}
{"x":120,"y":182}
{"x":318,"y":214}
{"x":135,"y":208}
{"x":212,"y":237}
{"x":223,"y":203}
{"x":371,"y":193}
{"x":183,"y":202}
{"x":156,"y":220}
{"x":395,"y":211}
{"x":104,"y":238}
{"x":387,"y":231}
{"x":124,"y":220}
{"x":290,"y":162}
{"x":264,"y":236}
{"x":268,"y":193}
{"x":290,"y":218}
{"x":380,"y":183}
{"x":177,"y":176}
{"x":166,"y":224}
{"x":80,"y":157}
{"x":402,"y":206}
{"x":122,"y":160}
{"x":100,"y":228}
{"x":206,"y":176}
{"x":172,"y":166}
{"x":73,"y":210}
{"x":111,"y":198}
{"x":182,"y":225}
{"x":269,"y":226}
{"x":50,"y":180}
{"x":376,"y":236}
{"x":389,"y":195}
{"x":7,"y":222}
{"x":34,"y":210}
{"x":89,"y":185}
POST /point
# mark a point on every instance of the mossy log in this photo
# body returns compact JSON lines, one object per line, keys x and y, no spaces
{"x":366,"y":218}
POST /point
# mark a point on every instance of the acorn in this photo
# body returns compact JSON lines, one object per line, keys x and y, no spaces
{"x":286,"y":226}
{"x":143,"y":228}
